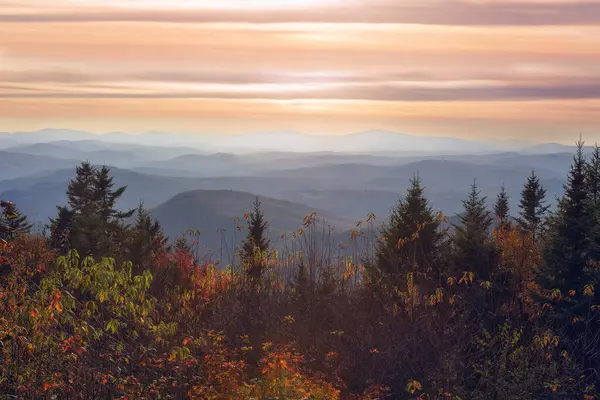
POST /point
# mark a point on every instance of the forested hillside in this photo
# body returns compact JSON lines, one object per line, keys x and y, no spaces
{"x":503,"y":304}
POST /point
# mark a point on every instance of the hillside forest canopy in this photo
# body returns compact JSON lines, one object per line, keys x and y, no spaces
{"x":498,"y":304}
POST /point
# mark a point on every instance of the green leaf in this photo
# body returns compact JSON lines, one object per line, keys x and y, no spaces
{"x":112,"y":326}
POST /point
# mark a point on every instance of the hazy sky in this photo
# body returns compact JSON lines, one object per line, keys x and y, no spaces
{"x":471,"y":68}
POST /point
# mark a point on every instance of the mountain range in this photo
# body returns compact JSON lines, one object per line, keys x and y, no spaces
{"x":373,"y":141}
{"x":194,"y":186}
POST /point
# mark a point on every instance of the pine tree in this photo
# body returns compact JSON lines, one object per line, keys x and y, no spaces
{"x":84,"y":218}
{"x":12,"y":222}
{"x":501,"y":208}
{"x":110,"y":230}
{"x":410,"y":242}
{"x":60,"y":229}
{"x":106,"y":198}
{"x":147,"y":237}
{"x":474,"y":252}
{"x":95,"y":226}
{"x":256,"y":240}
{"x":592,"y":176}
{"x":592,"y":182}
{"x":532,"y":208}
{"x":569,"y":235}
{"x":569,"y":275}
{"x":80,"y":190}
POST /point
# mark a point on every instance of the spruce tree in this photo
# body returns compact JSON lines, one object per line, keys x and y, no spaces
{"x":147,"y":237}
{"x":80,"y":190}
{"x":110,"y":231}
{"x":106,"y":198}
{"x":12,"y":222}
{"x":60,"y":228}
{"x":532,"y":208}
{"x":592,"y":177}
{"x":592,"y":183}
{"x":569,"y":276}
{"x":501,"y":208}
{"x":95,"y":225}
{"x":84,"y":228}
{"x":409,"y":243}
{"x":474,"y":252}
{"x":570,"y":232}
{"x":256,"y":240}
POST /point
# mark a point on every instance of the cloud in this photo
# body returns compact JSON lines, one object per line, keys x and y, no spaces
{"x":355,"y":62}
{"x":397,"y":12}
{"x":376,"y":92}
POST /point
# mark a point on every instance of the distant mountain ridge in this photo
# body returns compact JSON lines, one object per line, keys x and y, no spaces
{"x":348,"y":190}
{"x":370,"y":141}
{"x":14,"y":164}
{"x":219,"y":216}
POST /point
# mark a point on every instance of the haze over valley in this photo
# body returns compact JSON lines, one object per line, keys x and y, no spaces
{"x":204,"y":182}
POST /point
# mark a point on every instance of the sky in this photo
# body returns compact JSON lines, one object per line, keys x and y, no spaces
{"x":476,"y":69}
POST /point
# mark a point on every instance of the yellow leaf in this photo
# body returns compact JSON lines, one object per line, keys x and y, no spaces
{"x":413,"y":386}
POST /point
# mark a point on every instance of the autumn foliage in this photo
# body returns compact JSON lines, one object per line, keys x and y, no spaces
{"x":427,"y":311}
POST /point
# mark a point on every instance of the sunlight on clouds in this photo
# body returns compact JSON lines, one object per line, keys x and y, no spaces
{"x":204,"y":4}
{"x":316,"y":65}
{"x":525,"y":1}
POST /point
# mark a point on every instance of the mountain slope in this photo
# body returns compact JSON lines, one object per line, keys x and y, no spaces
{"x":37,"y":196}
{"x":350,"y":191}
{"x":14,"y":164}
{"x":213,"y":213}
{"x":96,"y":151}
{"x":446,"y":182}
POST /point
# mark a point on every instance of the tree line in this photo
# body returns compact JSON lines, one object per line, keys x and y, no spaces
{"x":500,"y":305}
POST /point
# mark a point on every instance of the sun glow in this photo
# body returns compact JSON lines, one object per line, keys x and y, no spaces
{"x":206,"y":4}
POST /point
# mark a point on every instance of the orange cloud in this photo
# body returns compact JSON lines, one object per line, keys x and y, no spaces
{"x":471,"y":67}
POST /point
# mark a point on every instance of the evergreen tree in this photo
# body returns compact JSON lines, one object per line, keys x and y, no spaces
{"x":592,"y":183}
{"x":12,"y":222}
{"x":569,"y":276}
{"x":106,"y":198}
{"x":147,"y":237}
{"x":410,"y":242}
{"x":110,"y":231}
{"x":95,"y":226}
{"x":532,"y":208}
{"x":501,"y":208}
{"x":592,"y":177}
{"x":570,"y":231}
{"x":84,"y":223}
{"x":60,"y":229}
{"x":256,"y":240}
{"x":80,"y":190}
{"x":474,"y":252}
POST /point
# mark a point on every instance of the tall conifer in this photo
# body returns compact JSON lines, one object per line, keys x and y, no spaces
{"x":501,"y":208}
{"x":12,"y":222}
{"x":409,"y":243}
{"x":570,"y":229}
{"x":592,"y":177}
{"x":147,"y":237}
{"x":95,"y":225}
{"x":474,"y":251}
{"x":256,"y":240}
{"x":532,"y":207}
